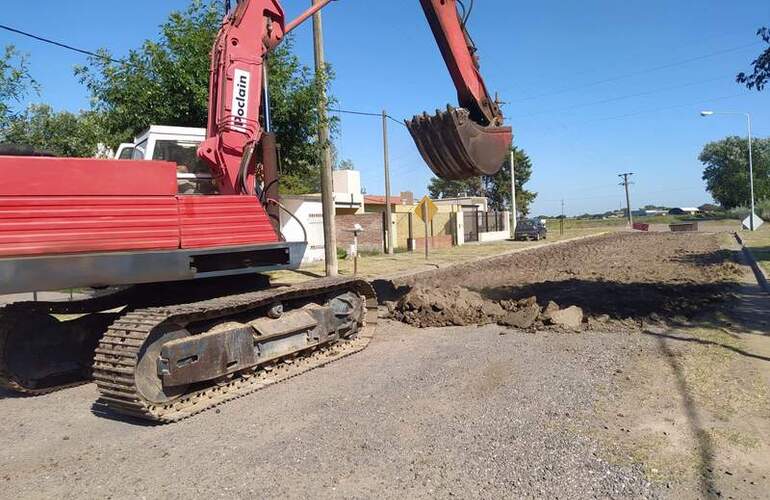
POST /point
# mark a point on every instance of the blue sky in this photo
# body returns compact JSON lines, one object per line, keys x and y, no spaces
{"x":593,"y":88}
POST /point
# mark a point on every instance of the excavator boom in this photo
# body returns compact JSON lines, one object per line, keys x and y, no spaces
{"x":456,"y":144}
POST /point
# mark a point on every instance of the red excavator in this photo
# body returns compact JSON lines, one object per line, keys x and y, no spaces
{"x":184,"y":320}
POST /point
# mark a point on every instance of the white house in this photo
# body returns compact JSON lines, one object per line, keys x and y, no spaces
{"x":348,"y":198}
{"x":309,"y":213}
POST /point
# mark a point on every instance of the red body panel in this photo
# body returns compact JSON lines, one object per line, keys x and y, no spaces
{"x":51,"y":206}
{"x":32,"y":176}
{"x":212,"y":221}
{"x":36,"y":225}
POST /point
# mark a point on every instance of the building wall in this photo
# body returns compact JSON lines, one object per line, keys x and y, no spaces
{"x":308,"y":210}
{"x":348,"y":198}
{"x":347,"y":181}
{"x":371,"y":240}
{"x":401,"y":222}
{"x":434,"y":243}
{"x":348,"y":203}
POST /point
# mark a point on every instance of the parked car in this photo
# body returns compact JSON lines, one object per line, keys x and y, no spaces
{"x":530,"y":229}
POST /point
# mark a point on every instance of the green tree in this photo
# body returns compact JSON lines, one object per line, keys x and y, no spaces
{"x":165,"y":82}
{"x":761,"y":71}
{"x":61,"y":133}
{"x":727,"y":170}
{"x":15,"y":82}
{"x":345,"y":165}
{"x":496,"y":188}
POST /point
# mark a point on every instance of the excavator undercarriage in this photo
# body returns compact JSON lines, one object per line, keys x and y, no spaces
{"x":164,"y":355}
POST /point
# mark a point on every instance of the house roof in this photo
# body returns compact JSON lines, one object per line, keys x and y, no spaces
{"x":374,"y":199}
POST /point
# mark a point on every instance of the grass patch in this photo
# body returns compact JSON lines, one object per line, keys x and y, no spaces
{"x":657,"y":464}
{"x":758,"y":242}
{"x":736,"y":438}
{"x":576,"y":223}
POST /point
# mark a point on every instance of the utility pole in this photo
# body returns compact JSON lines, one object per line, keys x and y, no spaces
{"x":388,"y":215}
{"x":625,"y":184}
{"x":425,"y":219}
{"x":751,"y":177}
{"x":513,"y":192}
{"x":327,"y":187}
{"x":561,"y":221}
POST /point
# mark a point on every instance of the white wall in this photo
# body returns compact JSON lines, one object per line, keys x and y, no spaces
{"x":347,"y":190}
{"x":347,"y":181}
{"x":498,"y":235}
{"x":308,"y":210}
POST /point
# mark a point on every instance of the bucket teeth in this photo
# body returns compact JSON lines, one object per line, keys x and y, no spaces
{"x":456,"y":148}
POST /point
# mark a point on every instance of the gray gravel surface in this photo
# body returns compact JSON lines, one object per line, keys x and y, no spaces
{"x":463,"y":412}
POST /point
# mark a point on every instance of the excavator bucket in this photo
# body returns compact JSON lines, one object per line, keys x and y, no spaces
{"x":455,"y":147}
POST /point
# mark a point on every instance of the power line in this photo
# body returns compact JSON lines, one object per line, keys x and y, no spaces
{"x":364,"y":113}
{"x":400,"y":122}
{"x":645,"y":194}
{"x":636,"y":73}
{"x":61,"y":45}
{"x":621,"y":98}
{"x":666,"y":108}
{"x":654,"y":110}
{"x":349,"y":112}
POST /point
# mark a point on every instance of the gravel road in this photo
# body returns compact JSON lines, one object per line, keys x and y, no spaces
{"x":461,"y":412}
{"x":472,"y":412}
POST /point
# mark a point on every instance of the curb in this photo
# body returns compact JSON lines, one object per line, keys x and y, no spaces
{"x":759,"y":273}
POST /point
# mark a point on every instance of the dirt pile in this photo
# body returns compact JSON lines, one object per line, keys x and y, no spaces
{"x":629,"y":278}
{"x":457,"y":306}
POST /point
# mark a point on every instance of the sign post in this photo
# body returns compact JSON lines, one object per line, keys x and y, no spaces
{"x":426,"y":210}
{"x":357,"y":230}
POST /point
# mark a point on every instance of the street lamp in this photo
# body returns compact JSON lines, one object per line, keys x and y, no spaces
{"x":751,"y":166}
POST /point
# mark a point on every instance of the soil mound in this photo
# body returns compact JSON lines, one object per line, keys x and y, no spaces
{"x":457,"y":306}
{"x":591,"y":284}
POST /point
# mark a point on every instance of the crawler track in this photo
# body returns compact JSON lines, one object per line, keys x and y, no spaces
{"x":10,"y":383}
{"x":32,"y":321}
{"x":117,"y":357}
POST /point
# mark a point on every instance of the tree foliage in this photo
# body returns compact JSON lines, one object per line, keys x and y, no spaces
{"x":496,"y":188}
{"x":15,"y":82}
{"x":61,"y":133}
{"x":760,"y":75}
{"x":165,"y":82}
{"x":727,"y":170}
{"x":346,"y":164}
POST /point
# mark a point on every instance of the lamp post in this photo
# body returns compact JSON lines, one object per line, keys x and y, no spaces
{"x":751,"y":161}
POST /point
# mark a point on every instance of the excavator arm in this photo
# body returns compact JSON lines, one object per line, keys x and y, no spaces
{"x":456,"y":144}
{"x":471,"y":140}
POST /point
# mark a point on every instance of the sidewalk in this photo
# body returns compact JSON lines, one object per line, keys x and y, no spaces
{"x":409,"y":262}
{"x":758,"y":242}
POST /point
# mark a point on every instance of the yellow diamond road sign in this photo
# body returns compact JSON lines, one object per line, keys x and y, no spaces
{"x":419,"y":210}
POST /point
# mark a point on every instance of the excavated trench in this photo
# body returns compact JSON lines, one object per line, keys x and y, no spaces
{"x":592,"y":283}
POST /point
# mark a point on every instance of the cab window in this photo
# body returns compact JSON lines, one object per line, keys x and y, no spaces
{"x":126,"y":153}
{"x":139,"y":149}
{"x":183,"y":153}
